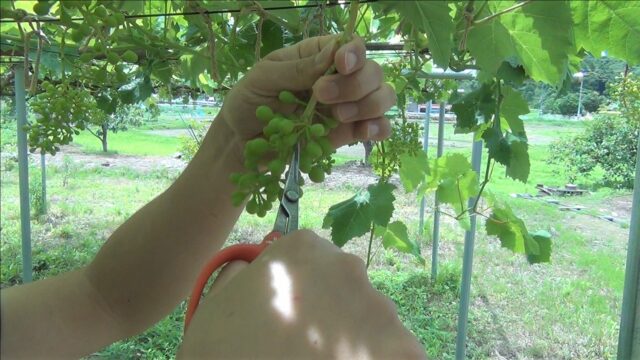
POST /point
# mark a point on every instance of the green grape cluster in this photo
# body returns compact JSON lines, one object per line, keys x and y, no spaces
{"x":266,"y":157}
{"x":61,"y":111}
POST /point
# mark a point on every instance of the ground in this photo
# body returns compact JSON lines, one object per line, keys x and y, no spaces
{"x":568,"y":309}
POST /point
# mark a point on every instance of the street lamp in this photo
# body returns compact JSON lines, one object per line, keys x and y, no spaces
{"x":580,"y":76}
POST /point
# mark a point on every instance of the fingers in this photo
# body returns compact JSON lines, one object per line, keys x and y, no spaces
{"x":371,"y":106}
{"x":338,"y":88}
{"x":372,"y":129}
{"x":351,"y":56}
{"x":297,"y":67}
{"x":304,"y":49}
{"x":272,"y":76}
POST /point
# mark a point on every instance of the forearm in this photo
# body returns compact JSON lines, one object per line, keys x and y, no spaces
{"x":150,"y":263}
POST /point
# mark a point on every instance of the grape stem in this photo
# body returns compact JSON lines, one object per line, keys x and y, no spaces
{"x":373,"y":228}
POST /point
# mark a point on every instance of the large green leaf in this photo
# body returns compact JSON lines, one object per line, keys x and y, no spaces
{"x":272,"y":37}
{"x":519,"y":164}
{"x":612,"y":26}
{"x":537,"y":35}
{"x":396,"y":236}
{"x":355,"y":216}
{"x":381,"y":200}
{"x":469,"y":106}
{"x":413,"y":170}
{"x":349,"y":219}
{"x":513,"y":235}
{"x":432,"y":18}
{"x":513,"y":105}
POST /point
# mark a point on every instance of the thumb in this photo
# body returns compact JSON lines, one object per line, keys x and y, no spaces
{"x":227,"y":274}
{"x":296,"y":74}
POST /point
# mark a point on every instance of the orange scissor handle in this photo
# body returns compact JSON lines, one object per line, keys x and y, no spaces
{"x":244,"y":252}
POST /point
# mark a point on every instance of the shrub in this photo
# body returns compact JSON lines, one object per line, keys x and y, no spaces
{"x":609,"y":142}
{"x":189,"y":145}
{"x":591,"y":101}
{"x":36,"y":197}
{"x":568,"y":103}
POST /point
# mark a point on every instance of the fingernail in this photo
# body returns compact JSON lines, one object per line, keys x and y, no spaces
{"x":327,"y":90}
{"x":372,"y":130}
{"x":347,"y":111}
{"x":350,"y":60}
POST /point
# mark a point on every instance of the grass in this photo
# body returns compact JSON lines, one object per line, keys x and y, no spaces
{"x":131,"y":142}
{"x":564,"y":310}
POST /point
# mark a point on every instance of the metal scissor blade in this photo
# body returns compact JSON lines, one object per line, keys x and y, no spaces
{"x":287,"y":218}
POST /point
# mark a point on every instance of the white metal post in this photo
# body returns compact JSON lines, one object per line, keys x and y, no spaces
{"x":629,"y":339}
{"x":23,"y":173}
{"x":436,"y":213}
{"x":467,"y":264}
{"x":425,"y":147}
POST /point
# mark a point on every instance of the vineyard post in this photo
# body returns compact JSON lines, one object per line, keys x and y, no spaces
{"x":467,"y":263}
{"x":436,"y":208}
{"x":629,"y":340}
{"x":43,"y":171}
{"x":580,"y":76}
{"x":23,"y":172}
{"x":425,"y":147}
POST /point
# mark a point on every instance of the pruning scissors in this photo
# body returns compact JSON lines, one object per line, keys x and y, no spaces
{"x":286,"y":222}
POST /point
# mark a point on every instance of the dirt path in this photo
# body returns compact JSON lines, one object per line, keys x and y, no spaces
{"x":139,"y":163}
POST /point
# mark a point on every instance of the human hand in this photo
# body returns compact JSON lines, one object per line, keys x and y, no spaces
{"x":356,"y":95}
{"x":303,"y":298}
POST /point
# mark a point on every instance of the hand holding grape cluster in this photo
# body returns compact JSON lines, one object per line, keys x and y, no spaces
{"x":352,"y":102}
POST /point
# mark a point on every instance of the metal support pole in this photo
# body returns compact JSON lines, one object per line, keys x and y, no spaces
{"x":43,"y":171}
{"x":436,"y":212}
{"x":629,"y":339}
{"x":579,"y":115}
{"x":467,"y":265}
{"x":23,"y":173}
{"x":425,"y":147}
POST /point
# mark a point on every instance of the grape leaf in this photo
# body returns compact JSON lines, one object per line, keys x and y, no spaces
{"x":466,"y":108}
{"x":497,"y":145}
{"x":543,"y":238}
{"x":396,"y":236}
{"x":612,"y":26}
{"x":451,"y":165}
{"x":514,"y":75}
{"x":381,"y":201}
{"x":137,"y":90}
{"x":538,"y":36}
{"x":457,"y":190}
{"x":353,"y":217}
{"x":513,"y":235}
{"x":432,"y":18}
{"x":413,"y":170}
{"x":272,"y":37}
{"x":519,"y":164}
{"x":162,"y":70}
{"x":349,"y":219}
{"x":513,"y":105}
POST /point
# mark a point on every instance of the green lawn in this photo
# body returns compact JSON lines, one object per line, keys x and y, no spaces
{"x":130,"y":142}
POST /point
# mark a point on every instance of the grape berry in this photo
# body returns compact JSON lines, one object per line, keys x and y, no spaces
{"x":267,"y":156}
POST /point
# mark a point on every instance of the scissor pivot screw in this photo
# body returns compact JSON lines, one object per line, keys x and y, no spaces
{"x":292,"y":195}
